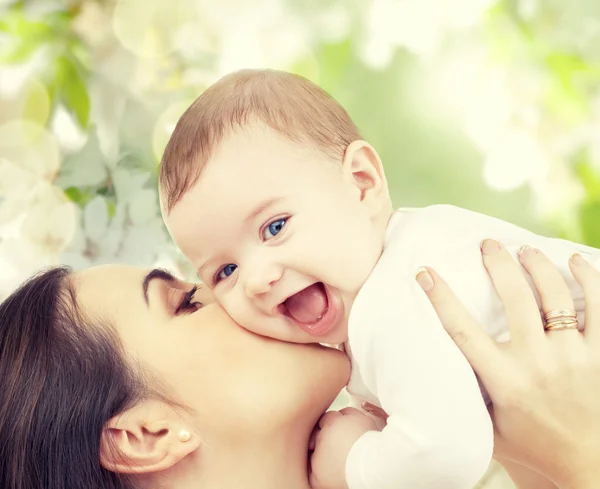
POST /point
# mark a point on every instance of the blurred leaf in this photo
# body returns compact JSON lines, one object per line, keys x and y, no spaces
{"x":589,"y":216}
{"x":566,"y":103}
{"x":79,"y":195}
{"x":18,"y":52}
{"x":105,"y":191}
{"x":27,"y":36}
{"x":112,"y":208}
{"x":81,"y":53}
{"x":336,"y":56}
{"x":588,"y":176}
{"x":308,"y":67}
{"x":59,"y":20}
{"x":16,"y":24}
{"x":509,"y":9}
{"x":570,"y":68}
{"x":565,"y":96}
{"x":72,"y":89}
{"x":565,"y":64}
{"x":37,"y":104}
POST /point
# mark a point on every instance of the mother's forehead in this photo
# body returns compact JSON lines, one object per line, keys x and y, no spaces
{"x":108,"y":273}
{"x":106,"y":286}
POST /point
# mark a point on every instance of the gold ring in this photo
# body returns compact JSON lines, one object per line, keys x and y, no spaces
{"x":561,"y":325}
{"x":560,"y":314}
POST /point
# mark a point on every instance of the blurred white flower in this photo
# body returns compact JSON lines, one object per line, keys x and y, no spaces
{"x":574,"y":27}
{"x":31,"y":147}
{"x":498,"y":109}
{"x":154,"y":33}
{"x":143,"y":209}
{"x":41,"y":7}
{"x":108,"y":101}
{"x":470,"y":90}
{"x":68,"y":133}
{"x":36,"y":223}
{"x":589,"y":134}
{"x":19,"y":259}
{"x":92,"y":23}
{"x":132,"y":233}
{"x":96,"y":219}
{"x":15,"y":76}
{"x":261,"y":34}
{"x":86,"y":168}
{"x":527,"y":9}
{"x":420,"y":26}
{"x":376,"y":52}
{"x":516,"y":159}
{"x":17,"y":187}
{"x":50,"y":219}
{"x":332,"y":24}
{"x":165,"y":125}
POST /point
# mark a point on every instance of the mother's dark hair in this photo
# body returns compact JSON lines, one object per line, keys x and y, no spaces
{"x":62,"y":377}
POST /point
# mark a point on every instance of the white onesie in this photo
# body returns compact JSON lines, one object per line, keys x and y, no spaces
{"x":439,"y":433}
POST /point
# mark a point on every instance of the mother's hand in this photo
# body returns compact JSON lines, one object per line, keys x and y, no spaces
{"x":545,"y":386}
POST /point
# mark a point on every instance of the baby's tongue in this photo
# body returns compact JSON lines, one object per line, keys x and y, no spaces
{"x":308,"y":305}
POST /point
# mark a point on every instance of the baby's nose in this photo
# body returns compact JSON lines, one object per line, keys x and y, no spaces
{"x":261,"y":281}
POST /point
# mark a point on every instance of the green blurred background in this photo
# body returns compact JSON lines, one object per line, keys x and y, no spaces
{"x":489,"y":105}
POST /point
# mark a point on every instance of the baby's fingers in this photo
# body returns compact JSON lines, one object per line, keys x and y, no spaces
{"x":350,"y":411}
{"x":479,"y":349}
{"x":375,"y":411}
{"x":328,"y":418}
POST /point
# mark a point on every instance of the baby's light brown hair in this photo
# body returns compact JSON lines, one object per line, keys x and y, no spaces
{"x":290,"y":104}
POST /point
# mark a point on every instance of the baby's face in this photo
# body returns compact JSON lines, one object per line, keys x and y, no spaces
{"x":279,"y":234}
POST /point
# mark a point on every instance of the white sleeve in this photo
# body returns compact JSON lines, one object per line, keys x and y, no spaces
{"x":439,"y":433}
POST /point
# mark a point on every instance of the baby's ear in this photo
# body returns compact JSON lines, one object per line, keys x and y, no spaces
{"x":147,"y":438}
{"x":362,"y":168}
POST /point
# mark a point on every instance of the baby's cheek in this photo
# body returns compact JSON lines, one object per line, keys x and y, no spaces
{"x":239,"y":310}
{"x":205,"y":295}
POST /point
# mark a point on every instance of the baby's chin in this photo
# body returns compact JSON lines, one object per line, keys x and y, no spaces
{"x":335,"y":339}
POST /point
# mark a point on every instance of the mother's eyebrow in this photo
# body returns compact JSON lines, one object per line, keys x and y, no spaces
{"x":159,"y":274}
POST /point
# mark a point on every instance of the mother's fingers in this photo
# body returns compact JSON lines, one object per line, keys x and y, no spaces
{"x":553,"y":291}
{"x":480,"y":350}
{"x":589,"y":279}
{"x":515,"y":293}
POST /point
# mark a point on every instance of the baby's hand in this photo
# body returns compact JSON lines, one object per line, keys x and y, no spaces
{"x":338,"y":431}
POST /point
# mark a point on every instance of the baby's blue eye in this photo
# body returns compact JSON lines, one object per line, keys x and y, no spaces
{"x":274,"y":229}
{"x":226,"y":271}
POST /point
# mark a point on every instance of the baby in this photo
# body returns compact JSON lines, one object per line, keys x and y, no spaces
{"x":268,"y":188}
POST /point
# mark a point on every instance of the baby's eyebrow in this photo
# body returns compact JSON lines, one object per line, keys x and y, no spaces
{"x":200,"y":270}
{"x":261,"y":207}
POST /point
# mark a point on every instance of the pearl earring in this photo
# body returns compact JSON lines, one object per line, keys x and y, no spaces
{"x":184,"y":435}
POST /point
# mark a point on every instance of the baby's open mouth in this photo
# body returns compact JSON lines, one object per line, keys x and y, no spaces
{"x":307,"y":306}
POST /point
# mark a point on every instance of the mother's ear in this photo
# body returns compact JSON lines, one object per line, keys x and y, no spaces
{"x":147,"y":438}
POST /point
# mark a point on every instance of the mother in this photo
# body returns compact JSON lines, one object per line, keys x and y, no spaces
{"x":117,"y":377}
